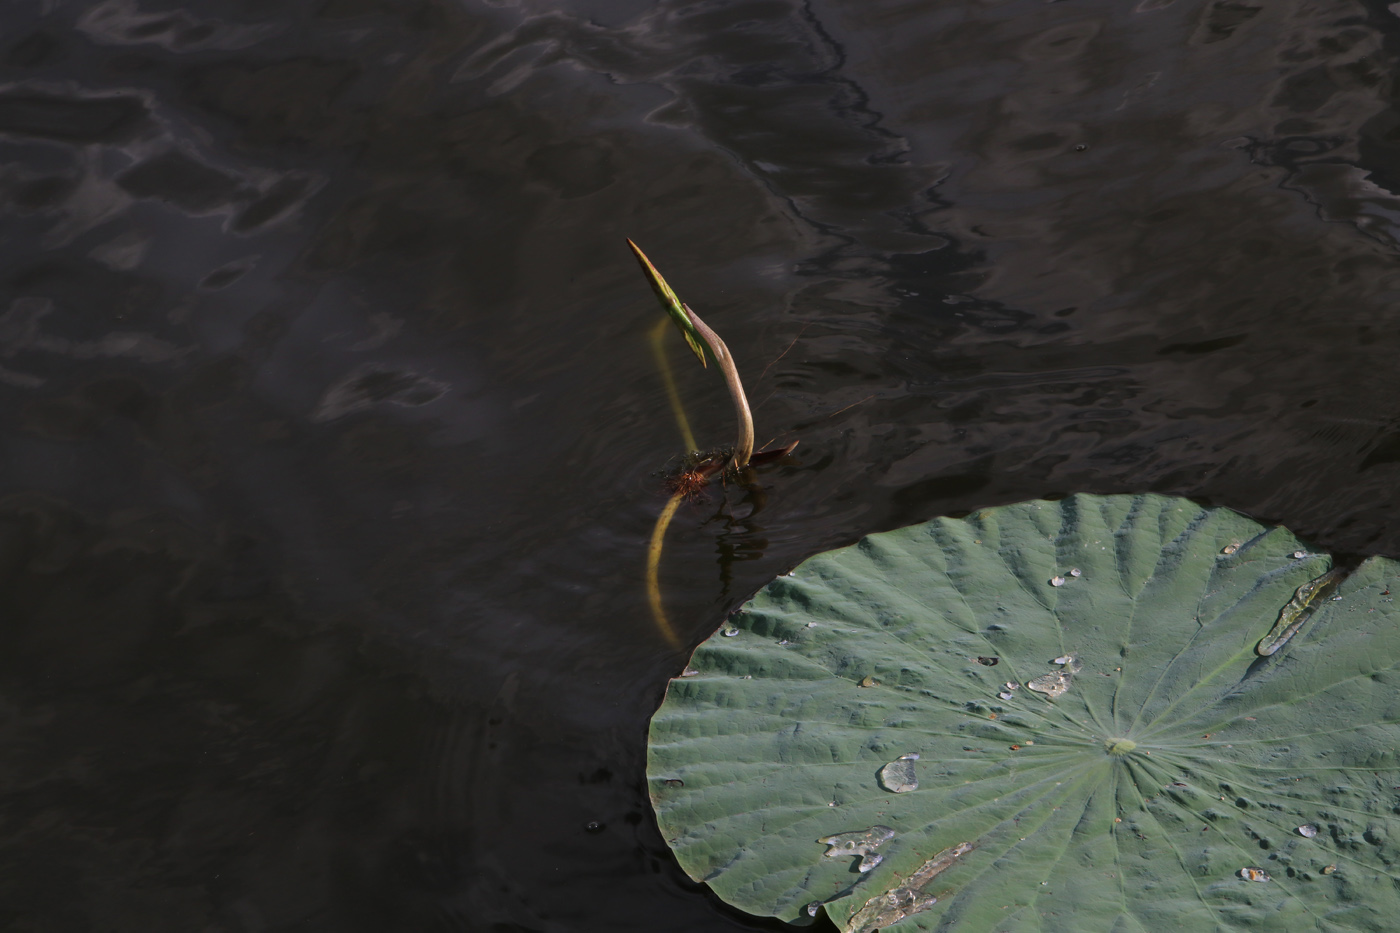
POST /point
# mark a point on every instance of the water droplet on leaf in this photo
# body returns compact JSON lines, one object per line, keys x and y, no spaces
{"x":898,"y":776}
{"x":862,"y":843}
{"x":908,"y":897}
{"x":1307,"y":829}
{"x":1057,"y":581}
{"x":1052,"y":685}
{"x":1254,"y":874}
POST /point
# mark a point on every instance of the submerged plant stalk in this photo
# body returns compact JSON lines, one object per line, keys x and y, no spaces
{"x":658,"y":537}
{"x":658,"y":349}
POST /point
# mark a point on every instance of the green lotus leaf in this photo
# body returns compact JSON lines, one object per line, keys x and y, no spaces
{"x":1101,"y":745}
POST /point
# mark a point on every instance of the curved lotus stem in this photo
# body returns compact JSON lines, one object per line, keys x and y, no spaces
{"x":699,"y":336}
{"x":743,"y":441}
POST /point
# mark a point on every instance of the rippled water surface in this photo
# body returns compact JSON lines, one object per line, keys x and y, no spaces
{"x":332,"y":439}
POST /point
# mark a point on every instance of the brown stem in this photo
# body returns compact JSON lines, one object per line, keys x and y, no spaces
{"x":743,"y":442}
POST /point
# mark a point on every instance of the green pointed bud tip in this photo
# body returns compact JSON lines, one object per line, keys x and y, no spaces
{"x":671,"y":304}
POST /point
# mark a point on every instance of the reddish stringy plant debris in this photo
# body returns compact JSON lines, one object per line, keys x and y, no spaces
{"x":696,"y":471}
{"x":688,"y":484}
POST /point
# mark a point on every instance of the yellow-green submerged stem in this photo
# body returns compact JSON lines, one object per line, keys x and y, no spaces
{"x":663,"y":363}
{"x":658,"y":538}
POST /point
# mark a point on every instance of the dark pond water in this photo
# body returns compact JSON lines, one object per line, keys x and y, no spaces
{"x":331,"y":434}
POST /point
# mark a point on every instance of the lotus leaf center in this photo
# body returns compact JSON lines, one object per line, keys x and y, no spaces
{"x":1119,"y":746}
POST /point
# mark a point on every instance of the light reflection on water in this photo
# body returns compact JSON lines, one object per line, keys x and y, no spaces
{"x":333,"y":441}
